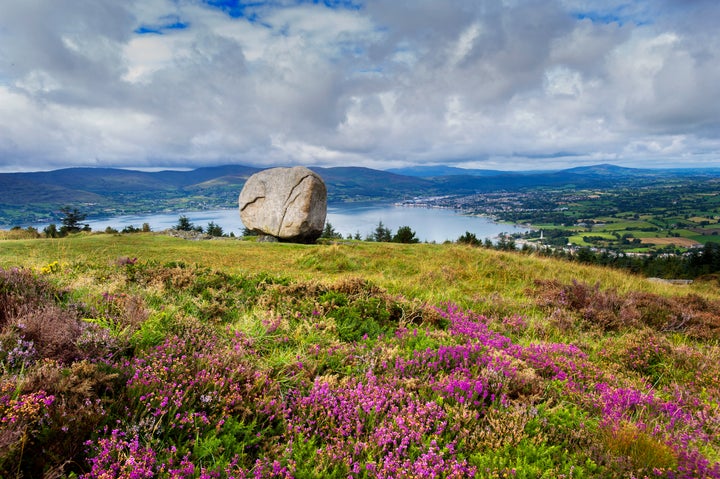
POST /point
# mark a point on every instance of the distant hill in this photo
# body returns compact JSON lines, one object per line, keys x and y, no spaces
{"x":36,"y":197}
{"x":611,"y":170}
{"x":440,"y":170}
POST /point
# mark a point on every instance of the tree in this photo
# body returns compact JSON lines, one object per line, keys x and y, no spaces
{"x":506,"y":243}
{"x":51,"y":231}
{"x":71,"y":220}
{"x":214,"y":229}
{"x":405,"y":235}
{"x":469,"y":238}
{"x":586,"y":255}
{"x":330,"y":233}
{"x":381,"y":233}
{"x":184,"y":224}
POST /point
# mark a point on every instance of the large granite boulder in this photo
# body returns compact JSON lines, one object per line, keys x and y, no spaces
{"x":287,"y":203}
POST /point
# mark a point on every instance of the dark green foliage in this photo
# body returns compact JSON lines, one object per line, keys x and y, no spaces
{"x":705,"y":261}
{"x":237,"y":440}
{"x":51,"y":231}
{"x":131,"y":229}
{"x":361,"y":319}
{"x":469,"y":238}
{"x":381,"y":233}
{"x":305,"y":455}
{"x":330,"y":233}
{"x":405,"y":235}
{"x":71,"y":220}
{"x":214,"y":229}
{"x":184,"y":224}
{"x":506,"y":243}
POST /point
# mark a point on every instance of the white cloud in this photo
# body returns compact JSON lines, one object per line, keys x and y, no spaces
{"x":388,"y":83}
{"x":560,"y":80}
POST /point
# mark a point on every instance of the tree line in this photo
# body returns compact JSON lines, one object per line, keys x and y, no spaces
{"x":692,"y":264}
{"x":689,"y":265}
{"x":381,"y":233}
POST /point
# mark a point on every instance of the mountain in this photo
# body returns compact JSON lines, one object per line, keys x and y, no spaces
{"x":36,"y":197}
{"x":19,"y":191}
{"x":440,"y":170}
{"x":365,"y":184}
{"x":610,"y":170}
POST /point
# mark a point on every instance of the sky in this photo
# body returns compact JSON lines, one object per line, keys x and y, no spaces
{"x":496,"y":84}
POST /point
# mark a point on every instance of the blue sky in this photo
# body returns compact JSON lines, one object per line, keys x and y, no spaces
{"x":511,"y":84}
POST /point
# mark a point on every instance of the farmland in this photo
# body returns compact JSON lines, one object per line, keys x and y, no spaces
{"x":638,"y":215}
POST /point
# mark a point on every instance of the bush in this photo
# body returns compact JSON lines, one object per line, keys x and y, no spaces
{"x":53,"y":331}
{"x":609,"y":311}
{"x":469,"y":238}
{"x":21,"y":291}
{"x":214,"y":229}
{"x":405,"y":235}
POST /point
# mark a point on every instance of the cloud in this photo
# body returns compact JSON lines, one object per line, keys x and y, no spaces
{"x":375,"y":83}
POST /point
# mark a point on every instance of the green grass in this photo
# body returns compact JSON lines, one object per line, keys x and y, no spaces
{"x":260,"y":337}
{"x":436,"y":273}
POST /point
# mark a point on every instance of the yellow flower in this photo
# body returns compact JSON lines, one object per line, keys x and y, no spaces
{"x":53,"y":267}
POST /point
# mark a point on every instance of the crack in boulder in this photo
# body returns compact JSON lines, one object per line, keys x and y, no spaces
{"x":294,"y":205}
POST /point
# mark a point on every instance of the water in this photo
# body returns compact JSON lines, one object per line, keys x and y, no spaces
{"x":429,"y":224}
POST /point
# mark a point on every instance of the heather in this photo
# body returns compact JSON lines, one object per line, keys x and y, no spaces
{"x":321,"y":361}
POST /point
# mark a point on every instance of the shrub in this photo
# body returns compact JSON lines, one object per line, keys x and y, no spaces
{"x":23,"y":417}
{"x":53,"y":331}
{"x":21,"y":291}
{"x":643,"y":454}
{"x":610,"y":311}
{"x":405,"y":235}
{"x":469,"y":238}
{"x":81,"y":392}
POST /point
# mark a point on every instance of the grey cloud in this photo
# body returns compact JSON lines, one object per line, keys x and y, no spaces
{"x":66,"y":52}
{"x":394,"y":82}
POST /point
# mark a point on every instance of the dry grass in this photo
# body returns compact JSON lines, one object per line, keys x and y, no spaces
{"x":679,"y":242}
{"x":17,"y":234}
{"x":607,"y":310}
{"x":473,"y":277}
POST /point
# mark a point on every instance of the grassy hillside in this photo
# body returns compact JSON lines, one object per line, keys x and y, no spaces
{"x":145,"y":355}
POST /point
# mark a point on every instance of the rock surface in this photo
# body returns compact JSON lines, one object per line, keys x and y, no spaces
{"x":288,"y":203}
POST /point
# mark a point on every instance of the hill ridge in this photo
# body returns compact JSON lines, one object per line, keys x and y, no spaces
{"x":36,"y":196}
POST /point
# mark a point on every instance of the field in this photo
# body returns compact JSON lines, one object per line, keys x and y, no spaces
{"x":613,"y":217}
{"x":679,"y":242}
{"x":144,"y":355}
